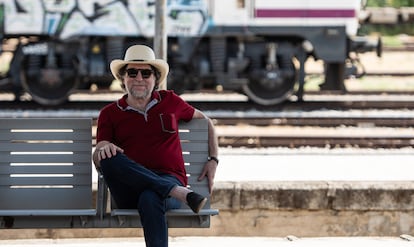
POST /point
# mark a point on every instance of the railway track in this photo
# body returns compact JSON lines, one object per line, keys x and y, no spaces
{"x":212,"y":101}
{"x":293,"y":129}
{"x":362,"y":120}
{"x":310,"y":136}
{"x":316,"y":141}
{"x":317,"y":128}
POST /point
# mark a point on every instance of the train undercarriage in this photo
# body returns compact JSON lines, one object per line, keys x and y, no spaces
{"x":266,"y":68}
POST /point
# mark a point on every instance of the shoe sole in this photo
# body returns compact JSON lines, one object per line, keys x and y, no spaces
{"x":200,"y":205}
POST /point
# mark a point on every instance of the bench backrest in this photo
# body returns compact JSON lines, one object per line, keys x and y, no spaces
{"x":66,"y":163}
{"x":194,"y":144}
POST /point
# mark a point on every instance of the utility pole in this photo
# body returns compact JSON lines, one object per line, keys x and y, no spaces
{"x":160,"y":37}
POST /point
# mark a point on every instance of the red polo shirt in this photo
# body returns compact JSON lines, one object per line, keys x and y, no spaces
{"x":149,"y":138}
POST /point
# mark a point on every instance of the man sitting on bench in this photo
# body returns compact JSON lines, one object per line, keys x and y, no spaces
{"x":138,"y":147}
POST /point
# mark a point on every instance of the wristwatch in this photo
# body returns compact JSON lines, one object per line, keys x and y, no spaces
{"x":213,"y":158}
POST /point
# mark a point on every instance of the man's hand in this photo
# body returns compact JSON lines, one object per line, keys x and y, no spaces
{"x":209,"y":171}
{"x":108,"y":150}
{"x":104,"y":150}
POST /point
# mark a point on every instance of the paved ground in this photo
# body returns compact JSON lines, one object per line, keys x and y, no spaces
{"x":217,"y":241}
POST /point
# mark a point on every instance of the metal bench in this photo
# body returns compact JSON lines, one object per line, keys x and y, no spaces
{"x":46,"y":176}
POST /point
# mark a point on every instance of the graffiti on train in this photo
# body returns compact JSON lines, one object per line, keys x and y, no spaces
{"x":66,"y":19}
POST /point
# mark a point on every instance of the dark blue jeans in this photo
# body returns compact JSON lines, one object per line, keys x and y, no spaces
{"x":135,"y":187}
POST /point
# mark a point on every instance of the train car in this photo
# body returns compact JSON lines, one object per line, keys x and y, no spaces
{"x":256,"y":47}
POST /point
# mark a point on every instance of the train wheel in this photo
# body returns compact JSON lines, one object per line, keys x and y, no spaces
{"x":272,"y":86}
{"x":48,"y":85}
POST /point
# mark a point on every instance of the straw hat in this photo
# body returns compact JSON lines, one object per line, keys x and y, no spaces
{"x":140,"y":54}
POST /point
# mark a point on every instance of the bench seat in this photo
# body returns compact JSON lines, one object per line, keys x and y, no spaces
{"x":172,"y":212}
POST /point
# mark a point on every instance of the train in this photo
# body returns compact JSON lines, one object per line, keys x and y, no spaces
{"x":52,"y":48}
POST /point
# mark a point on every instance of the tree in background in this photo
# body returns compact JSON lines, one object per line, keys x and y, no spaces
{"x":388,"y":29}
{"x":390,"y":3}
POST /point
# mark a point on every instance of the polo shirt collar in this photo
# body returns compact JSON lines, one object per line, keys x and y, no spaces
{"x":123,"y":105}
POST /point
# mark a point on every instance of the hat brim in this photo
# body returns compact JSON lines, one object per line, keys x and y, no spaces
{"x":160,"y":64}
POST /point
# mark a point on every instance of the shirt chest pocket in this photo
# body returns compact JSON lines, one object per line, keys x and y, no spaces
{"x":168,"y":122}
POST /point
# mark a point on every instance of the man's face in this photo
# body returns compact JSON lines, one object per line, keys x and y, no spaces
{"x":139,"y":81}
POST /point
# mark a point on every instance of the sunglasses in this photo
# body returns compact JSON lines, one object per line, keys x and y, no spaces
{"x":145,"y":73}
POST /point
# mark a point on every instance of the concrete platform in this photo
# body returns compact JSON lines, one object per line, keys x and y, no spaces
{"x":219,"y":241}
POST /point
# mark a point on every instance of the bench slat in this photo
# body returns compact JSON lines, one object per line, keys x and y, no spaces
{"x":48,"y":123}
{"x":41,"y":199}
{"x":187,"y":212}
{"x":80,"y":179}
{"x":192,"y":135}
{"x":194,"y":146}
{"x":200,"y":158}
{"x":193,"y":180}
{"x":47,"y":169}
{"x":195,"y":124}
{"x":40,"y":136}
{"x":47,"y":158}
{"x":49,"y":147}
{"x":194,"y":169}
{"x":55,"y":212}
{"x":173,"y":212}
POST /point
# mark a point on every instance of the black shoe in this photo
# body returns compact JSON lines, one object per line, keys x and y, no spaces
{"x":196,"y":201}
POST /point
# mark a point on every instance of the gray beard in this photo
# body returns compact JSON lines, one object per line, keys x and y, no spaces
{"x":139,"y":95}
